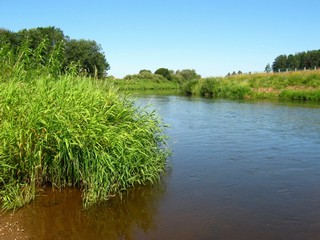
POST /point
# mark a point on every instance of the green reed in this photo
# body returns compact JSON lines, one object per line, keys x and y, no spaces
{"x":72,"y":131}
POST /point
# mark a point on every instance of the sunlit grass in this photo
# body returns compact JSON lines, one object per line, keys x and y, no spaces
{"x":71,"y":131}
{"x":303,"y":85}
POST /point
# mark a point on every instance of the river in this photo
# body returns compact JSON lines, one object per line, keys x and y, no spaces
{"x":238,"y":170}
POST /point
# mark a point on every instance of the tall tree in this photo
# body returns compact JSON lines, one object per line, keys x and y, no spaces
{"x":268,"y":69}
{"x":36,"y":35}
{"x":301,"y":60}
{"x":88,"y":54}
{"x":292,"y":62}
{"x":280,"y":63}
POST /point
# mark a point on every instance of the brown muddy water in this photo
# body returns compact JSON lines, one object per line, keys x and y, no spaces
{"x":239,"y":170}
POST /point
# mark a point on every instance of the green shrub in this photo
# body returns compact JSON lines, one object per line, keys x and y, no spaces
{"x":207,"y":87}
{"x":188,"y":87}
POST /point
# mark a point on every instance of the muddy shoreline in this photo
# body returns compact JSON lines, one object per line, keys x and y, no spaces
{"x":11,"y":227}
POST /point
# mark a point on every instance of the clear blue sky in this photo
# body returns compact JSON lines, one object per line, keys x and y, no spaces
{"x":212,"y":37}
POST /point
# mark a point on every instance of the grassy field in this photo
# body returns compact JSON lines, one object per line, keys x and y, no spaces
{"x":303,"y":85}
{"x":71,"y":131}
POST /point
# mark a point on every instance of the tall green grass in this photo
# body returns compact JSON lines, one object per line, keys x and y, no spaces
{"x":72,"y":131}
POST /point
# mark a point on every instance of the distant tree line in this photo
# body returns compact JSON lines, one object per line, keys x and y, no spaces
{"x":234,"y":73}
{"x":298,"y":61}
{"x":178,"y":76}
{"x":86,"y":54}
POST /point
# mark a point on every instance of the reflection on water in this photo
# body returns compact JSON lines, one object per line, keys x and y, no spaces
{"x":59,"y":215}
{"x":240,"y":170}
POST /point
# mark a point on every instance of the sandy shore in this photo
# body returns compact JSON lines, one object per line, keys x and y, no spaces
{"x":10,"y":227}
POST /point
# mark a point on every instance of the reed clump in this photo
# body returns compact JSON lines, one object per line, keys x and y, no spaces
{"x":72,"y":131}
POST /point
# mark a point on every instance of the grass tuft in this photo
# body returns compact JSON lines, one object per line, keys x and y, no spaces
{"x":71,"y":131}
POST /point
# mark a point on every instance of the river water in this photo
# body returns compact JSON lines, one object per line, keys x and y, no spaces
{"x":238,"y":170}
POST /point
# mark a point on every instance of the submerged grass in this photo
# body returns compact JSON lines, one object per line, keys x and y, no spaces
{"x":73,"y":131}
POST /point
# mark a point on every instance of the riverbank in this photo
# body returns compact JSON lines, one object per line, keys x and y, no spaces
{"x":302,"y":85}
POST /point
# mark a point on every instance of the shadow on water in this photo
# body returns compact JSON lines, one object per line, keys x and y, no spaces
{"x":59,"y":215}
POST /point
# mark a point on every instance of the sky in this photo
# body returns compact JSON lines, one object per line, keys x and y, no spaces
{"x":212,"y":37}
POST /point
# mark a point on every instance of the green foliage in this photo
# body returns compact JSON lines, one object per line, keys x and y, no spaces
{"x":164,"y":72}
{"x":24,"y":63}
{"x":280,"y":63}
{"x":144,"y":71}
{"x":145,"y":80}
{"x":35,"y":36}
{"x":86,"y":53}
{"x":217,"y":87}
{"x":299,"y":61}
{"x":70,"y":131}
{"x":188,"y":74}
{"x":144,"y":84}
{"x":188,"y":87}
{"x":301,"y":95}
{"x":303,"y":85}
{"x":147,"y":76}
{"x":268,"y":68}
{"x":292,"y":63}
{"x":8,"y":37}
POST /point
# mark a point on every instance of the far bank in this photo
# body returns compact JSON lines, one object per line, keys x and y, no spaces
{"x":300,"y":85}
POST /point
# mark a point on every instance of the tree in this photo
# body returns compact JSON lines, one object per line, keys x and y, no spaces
{"x":292,"y":62}
{"x":36,"y":35}
{"x":8,"y":37}
{"x":267,"y":69}
{"x":164,"y":72}
{"x":301,"y":60}
{"x":144,"y":71}
{"x":239,"y":72}
{"x":88,"y":54}
{"x":188,"y":74}
{"x":314,"y":60}
{"x":280,"y":63}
